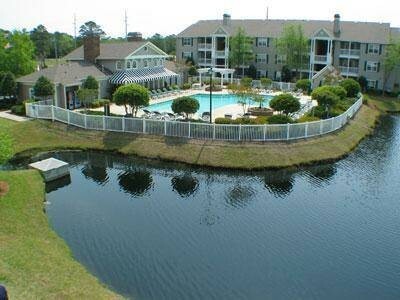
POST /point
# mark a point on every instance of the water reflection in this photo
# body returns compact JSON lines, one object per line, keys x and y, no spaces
{"x":239,"y":195}
{"x":95,"y":173}
{"x":135,"y":182}
{"x":185,"y":185}
{"x":279,"y":183}
{"x":321,"y":174}
{"x":54,"y":185}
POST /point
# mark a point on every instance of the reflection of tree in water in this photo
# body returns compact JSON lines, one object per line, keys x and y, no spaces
{"x":279,"y":183}
{"x":58,"y":184}
{"x":135,"y":182}
{"x":239,"y":195}
{"x":323,"y":172}
{"x":96,"y":173}
{"x":185,"y":185}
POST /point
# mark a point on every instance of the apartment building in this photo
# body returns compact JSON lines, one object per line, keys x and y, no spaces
{"x":354,"y":48}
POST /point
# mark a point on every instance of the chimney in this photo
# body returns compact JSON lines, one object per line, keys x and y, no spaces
{"x":226,"y":21}
{"x":336,"y":25}
{"x":91,"y":48}
{"x":134,"y":37}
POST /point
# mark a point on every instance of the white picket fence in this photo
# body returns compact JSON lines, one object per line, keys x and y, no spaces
{"x":192,"y":130}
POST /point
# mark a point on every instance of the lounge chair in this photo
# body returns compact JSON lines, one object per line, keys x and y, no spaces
{"x":147,"y":113}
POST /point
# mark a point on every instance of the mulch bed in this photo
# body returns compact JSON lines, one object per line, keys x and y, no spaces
{"x":3,"y":188}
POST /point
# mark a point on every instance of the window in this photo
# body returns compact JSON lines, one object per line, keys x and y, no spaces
{"x":280,"y":59}
{"x":373,"y":48}
{"x":278,"y":75}
{"x":371,"y":84}
{"x":261,"y":73}
{"x":134,"y":64}
{"x":262,"y":58}
{"x":145,"y":48}
{"x":160,"y":62}
{"x":372,"y":66}
{"x":118,"y":65}
{"x":145,"y":63}
{"x":128,"y":64}
{"x":262,"y":42}
{"x":186,"y":55}
{"x":31,"y":93}
{"x":187,"y":42}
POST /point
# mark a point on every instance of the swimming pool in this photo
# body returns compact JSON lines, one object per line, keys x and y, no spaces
{"x":218,"y":101}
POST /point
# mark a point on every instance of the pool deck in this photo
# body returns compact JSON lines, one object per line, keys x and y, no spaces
{"x":234,"y":109}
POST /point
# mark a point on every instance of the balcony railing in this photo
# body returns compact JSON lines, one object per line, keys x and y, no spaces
{"x":350,"y":52}
{"x":205,"y":46}
{"x":220,"y":53}
{"x":321,"y":58}
{"x":349,"y":70}
{"x":204,"y":61}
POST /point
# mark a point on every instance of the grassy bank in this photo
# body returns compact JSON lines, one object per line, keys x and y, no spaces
{"x":34,"y":262}
{"x":36,"y":136}
{"x":385,"y":104}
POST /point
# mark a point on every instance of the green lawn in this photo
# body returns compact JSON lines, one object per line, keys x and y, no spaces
{"x":385,"y":104}
{"x":34,"y":262}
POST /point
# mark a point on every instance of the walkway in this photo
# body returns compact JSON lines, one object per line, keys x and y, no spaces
{"x":8,"y":115}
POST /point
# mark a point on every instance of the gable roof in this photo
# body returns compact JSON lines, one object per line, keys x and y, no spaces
{"x":118,"y":50}
{"x":66,"y":73}
{"x":350,"y":31}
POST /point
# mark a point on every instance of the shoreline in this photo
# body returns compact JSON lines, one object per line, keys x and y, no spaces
{"x":214,"y":154}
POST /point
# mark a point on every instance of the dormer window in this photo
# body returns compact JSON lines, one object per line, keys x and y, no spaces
{"x":134,"y":64}
{"x":118,"y":65}
{"x":145,"y":48}
{"x":128,"y":64}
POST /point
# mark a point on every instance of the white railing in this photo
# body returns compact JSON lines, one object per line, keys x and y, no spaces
{"x":350,"y":52}
{"x":349,"y":70}
{"x":205,"y":61}
{"x":205,"y":46}
{"x":221,"y":53}
{"x":321,"y":58}
{"x":267,"y":132}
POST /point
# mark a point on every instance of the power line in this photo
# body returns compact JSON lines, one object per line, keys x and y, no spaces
{"x":75,"y":29}
{"x":126,"y":25}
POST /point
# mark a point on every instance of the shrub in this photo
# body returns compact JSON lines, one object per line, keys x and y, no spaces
{"x":337,"y":90}
{"x":43,"y":87}
{"x":285,"y":103}
{"x":215,"y":88}
{"x":18,"y":109}
{"x":186,"y":86}
{"x":244,"y":121}
{"x":132,"y":95}
{"x":90,"y":83}
{"x":351,"y":86}
{"x":325,"y":96}
{"x":279,"y":119}
{"x":223,"y":121}
{"x":186,"y":105}
{"x":304,"y":84}
{"x":266,"y":82}
{"x":261,"y":120}
{"x":246,"y":81}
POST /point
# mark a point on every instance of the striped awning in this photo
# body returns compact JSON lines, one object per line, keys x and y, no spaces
{"x":141,"y":75}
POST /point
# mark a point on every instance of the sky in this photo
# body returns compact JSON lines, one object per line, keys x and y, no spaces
{"x":173,"y":16}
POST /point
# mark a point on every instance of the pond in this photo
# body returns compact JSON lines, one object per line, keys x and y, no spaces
{"x":153,"y":230}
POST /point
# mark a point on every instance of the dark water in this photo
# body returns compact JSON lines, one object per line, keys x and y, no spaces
{"x":153,"y":230}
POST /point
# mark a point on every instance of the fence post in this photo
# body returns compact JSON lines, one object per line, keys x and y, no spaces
{"x":85,"y":118}
{"x":320,"y":127}
{"x":52,"y":113}
{"x":332,"y":124}
{"x":165,"y":127}
{"x":144,"y":125}
{"x":189,"y":130}
{"x":123,"y":124}
{"x":68,"y":117}
{"x":306,"y":130}
{"x":240,"y":130}
{"x":287,"y":131}
{"x":265,"y":131}
{"x":104,"y":122}
{"x":214,"y":131}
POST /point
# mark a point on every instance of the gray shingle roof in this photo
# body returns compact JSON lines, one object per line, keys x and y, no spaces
{"x":118,"y":50}
{"x":395,"y":33}
{"x":350,"y":31}
{"x":66,"y":73}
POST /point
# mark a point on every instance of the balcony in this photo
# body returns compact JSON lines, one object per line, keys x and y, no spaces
{"x":205,"y":47}
{"x":205,"y":61}
{"x":321,"y":59}
{"x":349,"y":70}
{"x":350,"y":52}
{"x":220,"y":54}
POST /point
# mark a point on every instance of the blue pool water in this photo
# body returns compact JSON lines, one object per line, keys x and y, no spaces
{"x":218,"y":101}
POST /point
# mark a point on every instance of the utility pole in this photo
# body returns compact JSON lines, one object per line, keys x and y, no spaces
{"x":267,"y":13}
{"x":75,"y":29}
{"x":126,"y":26}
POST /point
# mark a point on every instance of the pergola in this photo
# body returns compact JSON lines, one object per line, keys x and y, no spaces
{"x":224,"y":73}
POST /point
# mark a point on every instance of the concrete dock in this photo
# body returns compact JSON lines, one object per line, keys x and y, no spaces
{"x":51,"y":168}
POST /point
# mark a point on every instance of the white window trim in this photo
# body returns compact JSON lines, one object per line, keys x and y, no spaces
{"x":187,"y":42}
{"x":145,"y":63}
{"x":372,"y":66}
{"x":134,"y":64}
{"x":262,"y":42}
{"x":371,"y":84}
{"x":373,"y":48}
{"x":186,"y":56}
{"x":281,"y":59}
{"x":128,"y":65}
{"x":118,"y":65}
{"x":261,"y":58}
